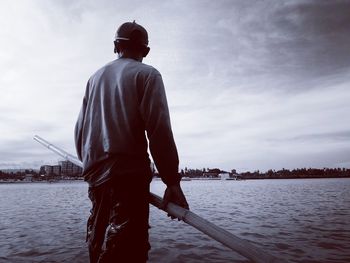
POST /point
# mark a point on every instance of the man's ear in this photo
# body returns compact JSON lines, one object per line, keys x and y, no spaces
{"x":146,"y":51}
{"x":116,"y":47}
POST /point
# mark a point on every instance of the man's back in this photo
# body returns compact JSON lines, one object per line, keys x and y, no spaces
{"x":122,"y":100}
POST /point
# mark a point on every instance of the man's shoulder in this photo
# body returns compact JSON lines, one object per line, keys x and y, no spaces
{"x":99,"y":72}
{"x":143,"y":68}
{"x":132,"y":67}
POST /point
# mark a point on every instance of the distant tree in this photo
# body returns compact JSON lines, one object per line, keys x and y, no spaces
{"x":214,"y":170}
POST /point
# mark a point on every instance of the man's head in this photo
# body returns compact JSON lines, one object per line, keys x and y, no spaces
{"x":131,"y":40}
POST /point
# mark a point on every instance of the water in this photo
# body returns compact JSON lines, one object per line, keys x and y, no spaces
{"x":303,"y":220}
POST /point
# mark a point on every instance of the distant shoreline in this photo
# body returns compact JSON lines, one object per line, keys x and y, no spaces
{"x":158,"y":179}
{"x":41,"y":181}
{"x":243,"y":178}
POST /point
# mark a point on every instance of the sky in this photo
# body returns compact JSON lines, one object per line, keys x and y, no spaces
{"x":251,"y":85}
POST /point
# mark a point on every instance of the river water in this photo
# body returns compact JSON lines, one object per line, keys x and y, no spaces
{"x":300,"y":220}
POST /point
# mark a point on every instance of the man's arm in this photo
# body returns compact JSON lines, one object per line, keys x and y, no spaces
{"x":155,"y":113}
{"x":79,"y":125}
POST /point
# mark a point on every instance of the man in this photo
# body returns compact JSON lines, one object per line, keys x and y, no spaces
{"x":123,"y":100}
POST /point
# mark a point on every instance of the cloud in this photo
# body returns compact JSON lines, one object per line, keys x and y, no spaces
{"x":278,"y":45}
{"x":329,"y":136}
{"x":312,"y":38}
{"x":250,"y":84}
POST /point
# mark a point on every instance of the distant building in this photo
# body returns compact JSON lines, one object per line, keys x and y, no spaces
{"x":28,"y":178}
{"x":50,"y":169}
{"x":70,"y":169}
{"x":56,"y":169}
{"x":234,"y":175}
{"x":224,"y":175}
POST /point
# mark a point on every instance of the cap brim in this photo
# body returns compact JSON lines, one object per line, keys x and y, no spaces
{"x":122,"y":38}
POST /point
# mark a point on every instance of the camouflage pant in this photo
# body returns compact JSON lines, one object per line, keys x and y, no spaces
{"x":117,"y":229}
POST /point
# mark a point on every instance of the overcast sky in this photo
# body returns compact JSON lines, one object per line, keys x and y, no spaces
{"x":250,"y":84}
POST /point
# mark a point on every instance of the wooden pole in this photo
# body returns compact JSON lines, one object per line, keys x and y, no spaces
{"x":241,"y":246}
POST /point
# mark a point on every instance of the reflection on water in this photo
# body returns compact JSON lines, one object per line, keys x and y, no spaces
{"x":304,"y":220}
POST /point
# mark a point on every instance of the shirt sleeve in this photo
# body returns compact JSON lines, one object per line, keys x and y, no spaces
{"x":155,"y":113}
{"x":78,"y":130}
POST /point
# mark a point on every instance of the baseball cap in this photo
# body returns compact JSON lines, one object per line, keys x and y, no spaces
{"x":133,"y":32}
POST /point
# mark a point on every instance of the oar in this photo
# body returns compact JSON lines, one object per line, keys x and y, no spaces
{"x":241,"y":246}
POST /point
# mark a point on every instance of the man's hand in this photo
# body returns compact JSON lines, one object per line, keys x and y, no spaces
{"x":174,"y":195}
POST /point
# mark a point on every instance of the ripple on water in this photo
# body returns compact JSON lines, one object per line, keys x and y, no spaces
{"x":251,"y":234}
{"x":282,"y":246}
{"x":330,"y":245}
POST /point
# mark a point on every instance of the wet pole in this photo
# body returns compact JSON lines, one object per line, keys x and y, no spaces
{"x":237,"y":244}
